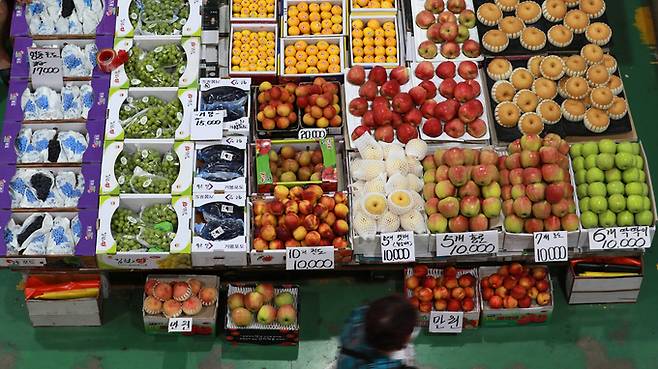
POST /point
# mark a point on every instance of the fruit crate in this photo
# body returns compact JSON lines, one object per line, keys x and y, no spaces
{"x":184,"y":151}
{"x":393,"y":10}
{"x":239,"y":20}
{"x":178,"y":255}
{"x":124,"y":26}
{"x":96,"y":112}
{"x":535,"y":314}
{"x":331,"y":40}
{"x":189,"y":68}
{"x":83,"y":256}
{"x":332,"y":164}
{"x":420,"y":35}
{"x":222,"y":242}
{"x":20,"y":64}
{"x":105,"y":27}
{"x":229,"y":151}
{"x":254,"y":27}
{"x":114,"y":130}
{"x":65,"y":192}
{"x":399,"y":35}
{"x":232,"y":95}
{"x":11,"y":133}
{"x":203,"y":324}
{"x":288,"y":3}
{"x":264,"y":334}
{"x":583,"y":242}
{"x":602,"y":289}
{"x":471,"y":318}
{"x":266,"y":255}
{"x":467,"y":137}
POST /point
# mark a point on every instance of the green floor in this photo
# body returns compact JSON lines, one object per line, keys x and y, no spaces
{"x":589,"y":337}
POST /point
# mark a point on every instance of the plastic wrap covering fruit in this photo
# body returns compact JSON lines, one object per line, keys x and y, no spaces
{"x":161,"y":67}
{"x":220,"y":163}
{"x":150,"y":117}
{"x":231,"y":99}
{"x":218,"y":221}
{"x":44,"y":103}
{"x":152,"y":229}
{"x":38,"y":188}
{"x":42,"y":234}
{"x":152,"y":17}
{"x":146,"y":171}
{"x":68,"y":17}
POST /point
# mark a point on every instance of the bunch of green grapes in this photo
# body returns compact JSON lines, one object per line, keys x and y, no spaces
{"x":156,"y":172}
{"x":147,"y":159}
{"x":156,"y":238}
{"x":125,"y":221}
{"x":161,"y":67}
{"x":123,"y":171}
{"x":170,"y":166}
{"x":133,"y":106}
{"x":160,"y":18}
{"x":146,"y":183}
{"x":158,"y":120}
{"x":127,"y":242}
{"x":160,"y":213}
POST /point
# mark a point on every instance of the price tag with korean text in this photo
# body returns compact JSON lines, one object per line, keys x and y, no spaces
{"x":46,"y":67}
{"x":312,"y":133}
{"x":634,"y":237}
{"x":467,"y":243}
{"x":22,"y":262}
{"x":398,"y":247}
{"x":309,"y":258}
{"x":179,"y":325}
{"x":446,"y":321}
{"x":551,"y":246}
{"x":208,"y":125}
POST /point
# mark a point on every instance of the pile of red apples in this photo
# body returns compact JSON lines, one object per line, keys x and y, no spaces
{"x":445,"y":293}
{"x":516,"y":286}
{"x":447,"y":24}
{"x":536,"y":185}
{"x":461,"y":189}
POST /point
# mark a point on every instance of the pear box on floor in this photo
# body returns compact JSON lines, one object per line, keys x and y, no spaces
{"x":274,"y":333}
{"x":607,"y":283}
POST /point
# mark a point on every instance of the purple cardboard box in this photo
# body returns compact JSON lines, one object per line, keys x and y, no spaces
{"x":20,"y":63}
{"x":98,"y":111}
{"x":92,"y":130}
{"x":19,"y":26}
{"x":88,"y":199}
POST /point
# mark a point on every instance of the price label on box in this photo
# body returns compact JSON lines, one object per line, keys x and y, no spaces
{"x":446,"y":321}
{"x":22,"y":262}
{"x":312,"y":133}
{"x":551,"y":246}
{"x":46,"y":67}
{"x":309,"y":258}
{"x":208,"y":125}
{"x":398,"y":247}
{"x":179,"y":325}
{"x":619,"y":238}
{"x":467,"y":243}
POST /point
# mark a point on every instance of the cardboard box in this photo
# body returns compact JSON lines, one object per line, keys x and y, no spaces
{"x":14,"y":112}
{"x":517,"y":316}
{"x":93,"y":131}
{"x":231,"y":126}
{"x":602,"y":290}
{"x":83,"y":257}
{"x":288,"y":3}
{"x":20,"y":63}
{"x":230,"y":252}
{"x":331,"y":40}
{"x":204,"y":323}
{"x":191,"y":46}
{"x":205,"y":185}
{"x":184,"y":150}
{"x":125,"y":27}
{"x":471,"y":318}
{"x":398,"y":37}
{"x":254,"y":27}
{"x":270,"y":334}
{"x":394,"y":10}
{"x":178,"y":256}
{"x":239,"y":20}
{"x":20,"y":25}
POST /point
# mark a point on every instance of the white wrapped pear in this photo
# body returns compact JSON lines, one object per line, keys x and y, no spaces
{"x":396,"y":182}
{"x":413,"y":221}
{"x":367,"y":169}
{"x":388,"y":223}
{"x":364,"y":226}
{"x":416,"y":148}
{"x":374,"y":205}
{"x":400,"y":202}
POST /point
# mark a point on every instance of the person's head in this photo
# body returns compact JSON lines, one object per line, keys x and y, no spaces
{"x":389,"y":323}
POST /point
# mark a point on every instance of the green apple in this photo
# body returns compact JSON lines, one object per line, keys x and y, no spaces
{"x":590,"y":148}
{"x":589,"y":220}
{"x":598,"y":204}
{"x":607,"y":146}
{"x":491,"y":190}
{"x":624,"y":160}
{"x":635,"y":148}
{"x":605,"y":161}
{"x":646,"y":203}
{"x":596,"y":189}
{"x":625,"y":147}
{"x":581,"y":176}
{"x":612,"y":175}
{"x":594,"y":175}
{"x":576,"y":150}
{"x":625,"y":219}
{"x":617,"y":202}
{"x":581,"y":190}
{"x":645,"y":189}
{"x":607,"y":219}
{"x":590,"y":161}
{"x":631,"y":175}
{"x":284,"y":298}
{"x":578,"y":163}
{"x":615,"y":187}
{"x":633,"y":188}
{"x":644,"y":218}
{"x":642,"y":176}
{"x":583,"y":204}
{"x":634,"y":203}
{"x":639,"y":162}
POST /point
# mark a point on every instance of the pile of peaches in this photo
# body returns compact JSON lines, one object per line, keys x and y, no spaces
{"x":448,"y":291}
{"x":516,"y":286}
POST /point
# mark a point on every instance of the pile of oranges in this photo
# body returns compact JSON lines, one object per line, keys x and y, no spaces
{"x":378,"y":4}
{"x":374,"y":42}
{"x":253,"y":8}
{"x":315,"y":19}
{"x":312,"y":58}
{"x":253,"y":51}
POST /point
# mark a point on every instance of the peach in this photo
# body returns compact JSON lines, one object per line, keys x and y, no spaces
{"x":341,"y":210}
{"x":292,"y":206}
{"x":340,"y":197}
{"x":283,"y":233}
{"x":510,"y":302}
{"x":454,"y":305}
{"x":468,"y":304}
{"x":311,"y":222}
{"x":312,"y":238}
{"x":296,"y":193}
{"x":451,"y":282}
{"x":441,"y":293}
{"x":320,"y":211}
{"x":268,"y":233}
{"x":330,"y":219}
{"x":538,"y":273}
{"x":292,"y":243}
{"x":325,"y":231}
{"x":495,"y":302}
{"x":305,"y":207}
{"x":339,"y":243}
{"x":543,"y":298}
{"x":516,"y":269}
{"x":526,"y":282}
{"x":501,"y":291}
{"x":259,"y":207}
{"x":299,"y":233}
{"x":487,"y":293}
{"x":440,"y":305}
{"x":260,"y":244}
{"x":276,"y":245}
{"x":341,"y":227}
{"x":429,"y":282}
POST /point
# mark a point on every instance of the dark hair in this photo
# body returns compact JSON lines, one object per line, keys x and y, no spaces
{"x":390,"y":322}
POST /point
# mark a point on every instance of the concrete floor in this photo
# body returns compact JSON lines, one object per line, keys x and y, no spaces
{"x":587,"y":337}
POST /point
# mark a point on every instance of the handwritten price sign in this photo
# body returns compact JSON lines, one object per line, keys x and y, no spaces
{"x":22,"y":262}
{"x":446,"y":321}
{"x":46,"y":67}
{"x":467,"y":243}
{"x":398,"y":247}
{"x":312,"y":133}
{"x":179,"y":325}
{"x":551,"y":246}
{"x":635,"y":237}
{"x":309,"y":258}
{"x":208,"y":125}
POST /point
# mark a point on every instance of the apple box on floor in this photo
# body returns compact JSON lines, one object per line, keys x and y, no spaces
{"x":598,"y":288}
{"x":244,"y":326}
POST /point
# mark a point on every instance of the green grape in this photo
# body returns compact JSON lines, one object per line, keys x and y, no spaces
{"x":157,"y":68}
{"x":151,"y":117}
{"x":157,"y":238}
{"x":127,"y":243}
{"x":160,"y":213}
{"x":159,"y":18}
{"x":147,"y":159}
{"x":150,"y":184}
{"x":125,"y":221}
{"x":170,"y":166}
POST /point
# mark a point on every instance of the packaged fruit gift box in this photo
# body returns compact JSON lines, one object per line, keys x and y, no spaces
{"x":298,"y":54}
{"x":375,"y":40}
{"x":221,"y":165}
{"x":253,"y":48}
{"x":147,"y":18}
{"x":230,"y":95}
{"x":144,"y":232}
{"x":449,"y":289}
{"x":314,"y":18}
{"x":181,"y":296}
{"x":263,"y":314}
{"x":515,"y":295}
{"x":253,"y":11}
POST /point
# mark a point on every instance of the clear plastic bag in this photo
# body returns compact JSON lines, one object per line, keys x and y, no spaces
{"x":60,"y":238}
{"x":70,"y":186}
{"x":73,"y":145}
{"x":71,"y":104}
{"x":37,"y":242}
